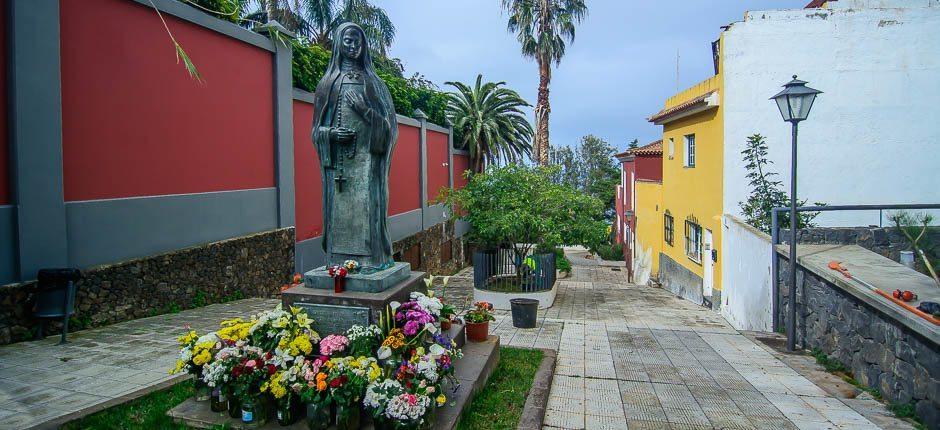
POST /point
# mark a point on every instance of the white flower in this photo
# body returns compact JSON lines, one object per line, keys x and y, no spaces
{"x":384,"y":352}
{"x":394,"y":305}
{"x":400,"y":407}
{"x":437,"y":350}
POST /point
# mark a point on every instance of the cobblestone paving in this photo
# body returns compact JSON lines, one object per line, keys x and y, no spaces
{"x":639,"y":358}
{"x":41,"y":382}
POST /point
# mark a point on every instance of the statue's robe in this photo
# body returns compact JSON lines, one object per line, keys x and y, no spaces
{"x":355,"y":174}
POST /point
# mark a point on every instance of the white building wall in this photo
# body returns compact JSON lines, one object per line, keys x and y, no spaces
{"x":873,"y":137}
{"x":745,"y":275}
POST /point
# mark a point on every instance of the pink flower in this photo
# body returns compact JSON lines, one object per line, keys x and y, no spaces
{"x":412,"y":399}
{"x":333,"y":344}
{"x":251,"y":363}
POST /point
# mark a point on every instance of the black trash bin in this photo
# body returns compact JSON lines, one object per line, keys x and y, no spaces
{"x":524,"y":312}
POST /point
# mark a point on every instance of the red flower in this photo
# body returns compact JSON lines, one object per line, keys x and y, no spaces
{"x":342,"y":272}
{"x":338,"y":381}
{"x":268,"y":355}
{"x":271,"y":369}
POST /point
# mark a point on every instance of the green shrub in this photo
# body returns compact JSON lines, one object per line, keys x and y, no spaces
{"x":609,"y":251}
{"x":561,"y":262}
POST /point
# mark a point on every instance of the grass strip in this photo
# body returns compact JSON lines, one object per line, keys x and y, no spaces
{"x":499,"y":405}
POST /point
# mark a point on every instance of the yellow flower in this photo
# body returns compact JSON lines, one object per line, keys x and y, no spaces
{"x":202,"y":357}
{"x":300,"y":344}
{"x":441,"y":399}
{"x":180,"y":364}
{"x":374,"y":372}
{"x":187,"y":338}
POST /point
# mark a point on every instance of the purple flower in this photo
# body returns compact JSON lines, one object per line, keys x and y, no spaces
{"x":411,"y":328}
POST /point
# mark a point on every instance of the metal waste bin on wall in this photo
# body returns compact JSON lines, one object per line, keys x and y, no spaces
{"x":55,"y":297}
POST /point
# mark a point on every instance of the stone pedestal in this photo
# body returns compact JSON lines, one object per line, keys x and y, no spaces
{"x":335,"y":313}
{"x":364,"y":282}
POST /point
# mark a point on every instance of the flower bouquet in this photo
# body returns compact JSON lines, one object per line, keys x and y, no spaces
{"x":195,"y":352}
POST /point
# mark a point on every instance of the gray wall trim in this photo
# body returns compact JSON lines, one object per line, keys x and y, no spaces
{"x":433,"y":215}
{"x":109,"y":231}
{"x":308,"y":254}
{"x":304,"y":96}
{"x":404,"y":224}
{"x":434,"y":127}
{"x":284,"y":134}
{"x":35,"y":120}
{"x":408,"y":121}
{"x":7,"y":244}
{"x":423,"y":162}
{"x":450,"y":157}
{"x":198,"y":17}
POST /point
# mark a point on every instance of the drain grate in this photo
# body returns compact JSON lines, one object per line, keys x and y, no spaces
{"x":615,"y":269}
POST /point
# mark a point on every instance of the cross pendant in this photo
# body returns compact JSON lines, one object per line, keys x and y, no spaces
{"x":340,"y":180}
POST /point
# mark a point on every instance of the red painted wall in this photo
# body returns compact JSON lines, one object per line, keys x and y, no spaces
{"x":649,"y":167}
{"x":404,"y":180}
{"x":308,"y":186}
{"x":135,"y":123}
{"x":437,"y":164}
{"x":461,"y":164}
{"x":4,"y":145}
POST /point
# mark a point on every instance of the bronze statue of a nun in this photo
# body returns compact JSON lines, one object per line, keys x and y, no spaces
{"x":354,"y":131}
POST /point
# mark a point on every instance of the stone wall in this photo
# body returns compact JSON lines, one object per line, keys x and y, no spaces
{"x":886,"y":241}
{"x":432,"y":246}
{"x":249,"y":266}
{"x":880,"y":351}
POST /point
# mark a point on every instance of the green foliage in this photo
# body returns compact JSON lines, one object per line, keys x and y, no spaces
{"x":309,"y":65}
{"x":766,"y":192}
{"x":228,"y":10}
{"x":148,"y":412}
{"x":519,"y":207}
{"x":562,"y":263}
{"x":499,"y":405}
{"x":831,"y":365}
{"x":491,"y":122}
{"x":199,"y":300}
{"x":609,"y":251}
{"x":589,"y":167}
{"x":542,"y":30}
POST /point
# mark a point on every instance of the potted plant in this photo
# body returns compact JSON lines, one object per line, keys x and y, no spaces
{"x":478,"y":321}
{"x":447,"y":315}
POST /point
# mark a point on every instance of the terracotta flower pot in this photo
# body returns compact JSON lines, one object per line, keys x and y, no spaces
{"x":445,"y":324}
{"x":478,"y":332}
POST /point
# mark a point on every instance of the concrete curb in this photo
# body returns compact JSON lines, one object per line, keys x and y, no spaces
{"x":533,"y":413}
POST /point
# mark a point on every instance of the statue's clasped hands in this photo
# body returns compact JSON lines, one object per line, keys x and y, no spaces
{"x":359,"y":104}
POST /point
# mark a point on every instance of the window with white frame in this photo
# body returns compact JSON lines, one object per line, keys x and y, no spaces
{"x":689,"y":150}
{"x":693,"y":240}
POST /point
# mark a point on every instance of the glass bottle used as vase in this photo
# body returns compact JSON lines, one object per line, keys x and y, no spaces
{"x":338,"y":284}
{"x":254,"y":413}
{"x":287,"y":412}
{"x":429,"y":417}
{"x":234,"y":406}
{"x":218,"y":402}
{"x":347,"y":416}
{"x":202,"y":390}
{"x":318,"y":416}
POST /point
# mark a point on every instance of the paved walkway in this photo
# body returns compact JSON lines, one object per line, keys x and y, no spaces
{"x":42,"y":384}
{"x":628,"y":357}
{"x":639,"y":358}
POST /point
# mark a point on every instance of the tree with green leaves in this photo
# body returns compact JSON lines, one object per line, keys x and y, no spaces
{"x":634,"y":144}
{"x":543,"y":27}
{"x":914,"y":227}
{"x":490,"y":121}
{"x":568,"y":166}
{"x":519,"y":207}
{"x":766,"y":192}
{"x":599,"y":172}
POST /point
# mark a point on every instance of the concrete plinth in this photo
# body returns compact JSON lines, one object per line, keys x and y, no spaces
{"x":319,"y":278}
{"x":334,"y":313}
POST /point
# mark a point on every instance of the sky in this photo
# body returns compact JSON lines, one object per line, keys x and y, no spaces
{"x":619,"y":70}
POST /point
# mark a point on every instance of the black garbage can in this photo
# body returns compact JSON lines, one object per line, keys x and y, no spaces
{"x":524,"y":312}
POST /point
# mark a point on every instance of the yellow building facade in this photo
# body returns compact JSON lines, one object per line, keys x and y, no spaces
{"x":649,"y":223}
{"x":690,"y":205}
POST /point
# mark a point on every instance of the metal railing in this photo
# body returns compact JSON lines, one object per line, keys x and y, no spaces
{"x":503,"y":271}
{"x":775,"y":240}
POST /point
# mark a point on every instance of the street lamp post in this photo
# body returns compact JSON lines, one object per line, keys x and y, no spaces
{"x":794,"y":103}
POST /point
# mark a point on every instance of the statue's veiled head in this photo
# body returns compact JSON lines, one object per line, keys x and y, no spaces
{"x":351,"y":41}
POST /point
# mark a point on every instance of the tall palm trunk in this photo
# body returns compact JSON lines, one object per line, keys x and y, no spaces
{"x":542,"y":110}
{"x":271,"y":7}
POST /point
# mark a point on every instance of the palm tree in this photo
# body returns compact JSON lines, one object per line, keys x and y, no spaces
{"x":317,"y":19}
{"x":490,"y":121}
{"x":542,"y":26}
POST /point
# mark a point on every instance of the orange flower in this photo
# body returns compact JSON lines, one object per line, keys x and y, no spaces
{"x":321,"y":381}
